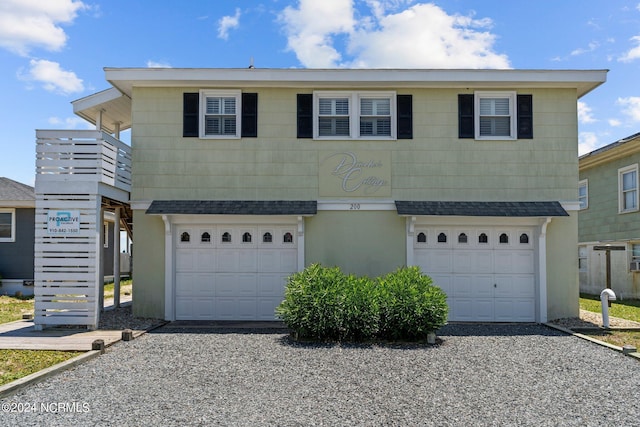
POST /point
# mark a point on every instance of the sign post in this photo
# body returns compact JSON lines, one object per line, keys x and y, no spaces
{"x":608,"y":249}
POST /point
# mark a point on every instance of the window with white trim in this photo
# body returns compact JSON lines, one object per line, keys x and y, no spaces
{"x":628,"y":189}
{"x":495,"y":115}
{"x":220,"y":114}
{"x":635,"y":252}
{"x":582,"y":258}
{"x":354,"y":115}
{"x":583,"y":194}
{"x":7,"y":225}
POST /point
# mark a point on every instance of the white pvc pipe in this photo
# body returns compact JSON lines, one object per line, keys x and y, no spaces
{"x":605,"y":296}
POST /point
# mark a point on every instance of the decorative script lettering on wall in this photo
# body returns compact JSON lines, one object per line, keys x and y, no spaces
{"x":365,"y":175}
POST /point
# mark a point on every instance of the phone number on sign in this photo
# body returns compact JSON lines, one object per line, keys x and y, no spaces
{"x":46,"y":407}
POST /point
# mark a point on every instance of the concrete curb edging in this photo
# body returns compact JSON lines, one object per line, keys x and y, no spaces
{"x":15,"y":386}
{"x":593,"y":340}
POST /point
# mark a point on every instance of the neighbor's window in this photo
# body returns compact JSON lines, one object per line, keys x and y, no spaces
{"x":628,"y":189}
{"x":347,"y":115}
{"x":635,"y":252}
{"x":7,"y":225}
{"x":220,"y":113}
{"x":583,"y":194}
{"x":495,"y":115}
{"x":582,"y":258}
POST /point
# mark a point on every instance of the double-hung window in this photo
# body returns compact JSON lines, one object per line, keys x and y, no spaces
{"x":628,"y":189}
{"x":7,"y":225}
{"x":220,"y":111}
{"x":495,"y":115}
{"x":583,"y":194}
{"x":354,"y":115}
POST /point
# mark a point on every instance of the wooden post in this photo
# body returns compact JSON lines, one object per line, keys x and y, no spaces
{"x":608,"y":249}
{"x":116,"y":259}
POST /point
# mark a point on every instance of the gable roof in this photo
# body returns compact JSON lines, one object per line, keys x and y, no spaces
{"x":233,"y":207}
{"x":14,"y":194}
{"x":495,"y":209}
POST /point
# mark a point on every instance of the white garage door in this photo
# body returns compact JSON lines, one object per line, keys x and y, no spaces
{"x":232,"y":272}
{"x":487,"y":273}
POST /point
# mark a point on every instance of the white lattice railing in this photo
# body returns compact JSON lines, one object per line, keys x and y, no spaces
{"x":82,"y":155}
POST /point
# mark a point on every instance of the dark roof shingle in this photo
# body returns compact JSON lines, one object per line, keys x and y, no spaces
{"x":496,"y":209}
{"x":233,"y":207}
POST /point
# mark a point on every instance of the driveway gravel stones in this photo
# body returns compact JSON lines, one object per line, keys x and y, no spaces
{"x":479,"y":375}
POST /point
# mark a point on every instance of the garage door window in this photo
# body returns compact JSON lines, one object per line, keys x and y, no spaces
{"x":504,"y":238}
{"x":185,"y":237}
{"x":246,"y":238}
{"x":442,"y":238}
{"x":462,"y":238}
{"x":422,"y":238}
{"x":226,"y":237}
{"x":205,"y":238}
{"x":482,"y":238}
{"x":287,"y":238}
{"x":524,"y":238}
{"x":267,"y":238}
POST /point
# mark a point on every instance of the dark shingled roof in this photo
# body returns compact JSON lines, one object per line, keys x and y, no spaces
{"x":14,"y":190}
{"x":500,"y":209}
{"x":233,"y":207}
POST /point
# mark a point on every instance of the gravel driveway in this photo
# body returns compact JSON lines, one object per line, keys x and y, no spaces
{"x":479,"y":375}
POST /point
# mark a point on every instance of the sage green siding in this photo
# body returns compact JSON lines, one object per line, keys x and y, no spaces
{"x":363,"y":243}
{"x":434,"y":165}
{"x":148,"y":268}
{"x":601,"y":220}
{"x":562,"y":271}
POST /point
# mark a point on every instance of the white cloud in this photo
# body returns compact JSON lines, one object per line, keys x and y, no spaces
{"x":25,"y":24}
{"x":584,"y":113}
{"x":630,"y":107}
{"x":614,"y":122}
{"x":52,"y":77}
{"x":591,"y":47}
{"x":587,"y":142}
{"x":227,"y":23}
{"x":156,"y":64}
{"x":70,"y":123}
{"x":310,"y":29}
{"x":633,"y":53}
{"x":420,"y":36}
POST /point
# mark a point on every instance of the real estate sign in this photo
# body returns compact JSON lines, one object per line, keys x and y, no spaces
{"x":63,"y":222}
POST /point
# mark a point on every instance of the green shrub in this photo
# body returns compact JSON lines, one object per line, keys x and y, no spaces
{"x":325,"y":304}
{"x":410,"y":305}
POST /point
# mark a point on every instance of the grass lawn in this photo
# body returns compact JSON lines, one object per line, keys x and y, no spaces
{"x":11,"y":308}
{"x":15,"y":364}
{"x":626,"y":309}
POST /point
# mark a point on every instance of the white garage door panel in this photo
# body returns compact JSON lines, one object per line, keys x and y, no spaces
{"x":484,"y":280}
{"x":235,"y":280}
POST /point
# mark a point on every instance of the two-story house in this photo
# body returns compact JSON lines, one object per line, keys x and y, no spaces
{"x":610,"y":219}
{"x":242,"y":176}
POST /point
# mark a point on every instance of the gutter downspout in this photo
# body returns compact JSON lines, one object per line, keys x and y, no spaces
{"x":542,"y":271}
{"x":168,"y":270}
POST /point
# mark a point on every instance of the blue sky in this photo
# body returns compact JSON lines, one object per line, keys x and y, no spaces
{"x":53,"y":52}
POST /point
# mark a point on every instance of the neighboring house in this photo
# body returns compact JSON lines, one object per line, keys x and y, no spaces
{"x":17,"y":213}
{"x":241,"y":177}
{"x":610,"y":215}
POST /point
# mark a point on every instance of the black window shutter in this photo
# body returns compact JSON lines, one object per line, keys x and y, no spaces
{"x":249,"y":115}
{"x":190,"y":113}
{"x":525,"y":116}
{"x":465,"y":116}
{"x":305,"y":115}
{"x":404,"y":104}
